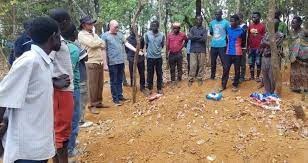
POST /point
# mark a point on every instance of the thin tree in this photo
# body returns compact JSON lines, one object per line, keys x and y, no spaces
{"x":275,"y":60}
{"x":141,"y":4}
{"x":198,"y":7}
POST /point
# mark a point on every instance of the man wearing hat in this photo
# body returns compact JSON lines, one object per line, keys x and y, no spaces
{"x":96,"y":63}
{"x":176,"y":40}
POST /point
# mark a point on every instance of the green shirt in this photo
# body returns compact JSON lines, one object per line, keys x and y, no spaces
{"x":74,"y":52}
{"x":283,"y":28}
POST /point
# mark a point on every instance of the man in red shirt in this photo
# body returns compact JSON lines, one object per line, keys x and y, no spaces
{"x":176,"y":40}
{"x":256,"y":32}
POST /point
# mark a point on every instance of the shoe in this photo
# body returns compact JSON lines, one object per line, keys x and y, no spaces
{"x":221,"y":89}
{"x":93,"y":110}
{"x":86,"y":124}
{"x":252,"y":78}
{"x":258,"y":80}
{"x":160,"y":92}
{"x":100,"y":105}
{"x":190,"y":83}
{"x":117,"y":103}
{"x":241,"y":80}
{"x":200,"y":82}
{"x":145,"y":91}
{"x":125,"y":84}
{"x":261,"y":86}
{"x":173,"y":84}
{"x":73,"y":153}
{"x":123,"y":99}
{"x":234,"y":89}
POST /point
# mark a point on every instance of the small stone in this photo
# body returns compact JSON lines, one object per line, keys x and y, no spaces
{"x":200,"y":142}
{"x":171,"y":153}
{"x":193,"y":151}
{"x":211,"y":157}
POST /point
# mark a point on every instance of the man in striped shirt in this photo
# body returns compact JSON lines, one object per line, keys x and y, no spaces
{"x":26,"y":97}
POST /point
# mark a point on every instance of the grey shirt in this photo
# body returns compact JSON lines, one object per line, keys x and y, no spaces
{"x":115,"y":47}
{"x":198,"y":36}
{"x":154,"y":44}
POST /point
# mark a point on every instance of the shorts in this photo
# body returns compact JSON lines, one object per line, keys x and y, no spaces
{"x":63,"y":115}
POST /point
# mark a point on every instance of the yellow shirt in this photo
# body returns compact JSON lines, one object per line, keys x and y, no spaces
{"x":96,"y":47}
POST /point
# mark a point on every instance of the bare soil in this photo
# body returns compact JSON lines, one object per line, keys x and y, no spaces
{"x":184,"y":127}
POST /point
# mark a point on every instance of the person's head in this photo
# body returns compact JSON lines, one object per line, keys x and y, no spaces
{"x":256,"y":16}
{"x":71,"y":33}
{"x":154,"y":26}
{"x":27,"y":25}
{"x":113,"y":26}
{"x":240,"y":15}
{"x":218,"y":14}
{"x":277,"y":14}
{"x":176,"y":27}
{"x":87,"y":24}
{"x":234,"y":21}
{"x":276,"y":24}
{"x":45,"y":32}
{"x":199,"y":20}
{"x":62,"y":17}
{"x":296,"y":23}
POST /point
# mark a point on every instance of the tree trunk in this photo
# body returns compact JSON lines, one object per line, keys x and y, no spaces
{"x":134,"y":25}
{"x":198,"y":7}
{"x":275,"y":59}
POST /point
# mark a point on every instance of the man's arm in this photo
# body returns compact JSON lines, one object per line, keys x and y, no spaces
{"x":211,"y":29}
{"x":163,"y":42}
{"x":90,"y":41}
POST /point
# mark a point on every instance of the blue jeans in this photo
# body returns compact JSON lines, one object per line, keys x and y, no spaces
{"x":116,"y":79}
{"x":75,"y":121}
{"x":31,"y":161}
{"x":254,"y":58}
{"x":83,"y":100}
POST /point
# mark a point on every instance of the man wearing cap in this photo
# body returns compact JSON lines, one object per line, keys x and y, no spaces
{"x":176,"y":40}
{"x":96,"y":63}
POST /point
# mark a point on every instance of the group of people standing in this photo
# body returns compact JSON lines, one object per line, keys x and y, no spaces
{"x":44,"y":95}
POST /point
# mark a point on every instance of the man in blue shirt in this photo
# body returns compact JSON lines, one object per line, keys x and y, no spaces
{"x":218,"y":30}
{"x":154,"y":42}
{"x":115,"y":42}
{"x":23,"y":43}
{"x":236,"y":38}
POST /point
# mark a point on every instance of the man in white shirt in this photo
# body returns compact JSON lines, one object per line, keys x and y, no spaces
{"x":26,"y":97}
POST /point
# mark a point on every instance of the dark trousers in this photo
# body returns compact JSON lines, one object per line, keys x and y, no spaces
{"x":155,"y":64}
{"x":254,"y":58}
{"x":188,"y":62}
{"x":116,"y":80}
{"x":229,"y":60}
{"x":216,"y":52}
{"x":141,"y":69}
{"x":176,"y":62}
{"x":243,"y":65}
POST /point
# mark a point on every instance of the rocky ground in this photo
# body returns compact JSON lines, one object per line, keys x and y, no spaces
{"x":182,"y":126}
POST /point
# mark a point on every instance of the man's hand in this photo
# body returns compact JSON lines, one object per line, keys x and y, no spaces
{"x":141,"y":53}
{"x":106,"y":67}
{"x":61,"y":82}
{"x":3,"y":128}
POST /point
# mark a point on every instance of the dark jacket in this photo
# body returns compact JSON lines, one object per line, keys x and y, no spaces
{"x":130,"y":54}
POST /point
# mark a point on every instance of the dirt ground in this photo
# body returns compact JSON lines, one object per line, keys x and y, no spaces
{"x":182,"y":126}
